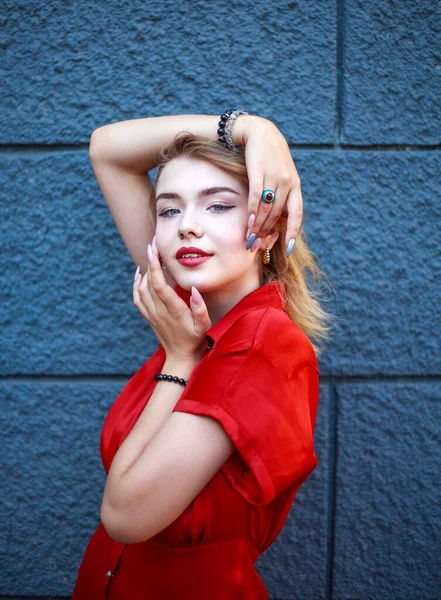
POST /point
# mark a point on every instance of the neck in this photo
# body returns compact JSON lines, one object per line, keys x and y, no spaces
{"x":220,"y":301}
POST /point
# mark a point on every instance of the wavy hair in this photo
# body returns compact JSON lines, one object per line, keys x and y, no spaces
{"x":302,"y":303}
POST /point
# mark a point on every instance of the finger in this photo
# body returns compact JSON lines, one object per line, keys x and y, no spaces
{"x":164,"y":296}
{"x":264,"y":209}
{"x":146,"y":297}
{"x":202,"y":321}
{"x":278,"y":208}
{"x":295,"y":213}
{"x":137,"y":301}
{"x":152,"y":255}
{"x":255,"y":191}
{"x":156,"y":280}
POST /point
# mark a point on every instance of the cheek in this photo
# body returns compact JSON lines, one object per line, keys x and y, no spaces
{"x":163,"y":232}
{"x":232,"y":250}
{"x":229,"y":245}
{"x":231,"y":231}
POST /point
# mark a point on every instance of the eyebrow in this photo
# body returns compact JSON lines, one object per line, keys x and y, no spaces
{"x":202,"y":194}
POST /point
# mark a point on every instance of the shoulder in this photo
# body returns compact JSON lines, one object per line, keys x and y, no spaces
{"x":270,"y":333}
{"x":283,"y":342}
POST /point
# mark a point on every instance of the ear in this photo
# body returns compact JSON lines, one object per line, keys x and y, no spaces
{"x":270,"y":239}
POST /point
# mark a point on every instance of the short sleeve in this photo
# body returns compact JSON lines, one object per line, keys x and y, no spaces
{"x":269,"y":416}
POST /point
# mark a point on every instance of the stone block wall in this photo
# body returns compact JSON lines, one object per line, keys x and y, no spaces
{"x":355,"y":87}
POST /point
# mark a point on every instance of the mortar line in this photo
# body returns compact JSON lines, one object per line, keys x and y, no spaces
{"x":332,"y":488}
{"x":340,"y":74}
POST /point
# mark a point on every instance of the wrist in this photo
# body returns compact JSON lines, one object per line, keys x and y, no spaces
{"x":241,"y":129}
{"x":179,"y":367}
{"x":243,"y":126}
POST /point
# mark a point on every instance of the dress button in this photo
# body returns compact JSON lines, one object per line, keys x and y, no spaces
{"x":109,"y":574}
{"x":209,"y":343}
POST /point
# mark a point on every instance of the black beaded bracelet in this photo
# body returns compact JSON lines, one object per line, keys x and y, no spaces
{"x":222,"y":123}
{"x":225,"y":130}
{"x":164,"y":377}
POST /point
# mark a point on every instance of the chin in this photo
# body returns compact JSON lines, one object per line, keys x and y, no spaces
{"x":201,"y":284}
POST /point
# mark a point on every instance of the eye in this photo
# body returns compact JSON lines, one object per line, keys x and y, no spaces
{"x":165,"y":213}
{"x":222,"y":207}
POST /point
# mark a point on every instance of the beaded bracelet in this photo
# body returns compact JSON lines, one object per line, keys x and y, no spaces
{"x":226,"y":126}
{"x":221,"y":131}
{"x":164,"y":377}
{"x":229,"y":128}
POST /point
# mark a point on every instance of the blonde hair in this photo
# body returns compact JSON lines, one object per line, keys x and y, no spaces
{"x":302,"y":304}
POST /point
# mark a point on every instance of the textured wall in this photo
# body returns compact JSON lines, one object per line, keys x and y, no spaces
{"x":355,"y":87}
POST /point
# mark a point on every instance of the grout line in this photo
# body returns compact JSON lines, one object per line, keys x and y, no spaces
{"x":332,"y":487}
{"x":381,"y":378}
{"x":122,"y":377}
{"x":6,"y":149}
{"x":340,"y":73}
{"x":25,"y":150}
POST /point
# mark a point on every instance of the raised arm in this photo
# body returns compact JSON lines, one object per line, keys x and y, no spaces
{"x":122,"y":154}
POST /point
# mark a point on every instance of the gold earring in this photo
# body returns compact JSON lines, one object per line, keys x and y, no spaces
{"x":266,"y":256}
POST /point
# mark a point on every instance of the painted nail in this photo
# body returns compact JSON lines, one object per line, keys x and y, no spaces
{"x":251,"y":221}
{"x":197,"y":298}
{"x":256,"y":244}
{"x":136,"y":274}
{"x":250,"y":241}
{"x":154,"y":242}
{"x":150,"y":253}
{"x":290,"y":246}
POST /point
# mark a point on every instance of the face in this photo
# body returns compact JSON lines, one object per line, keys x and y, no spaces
{"x":215,"y":222}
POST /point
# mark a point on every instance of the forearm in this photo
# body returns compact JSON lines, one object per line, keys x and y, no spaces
{"x":135,"y":145}
{"x":123,"y":483}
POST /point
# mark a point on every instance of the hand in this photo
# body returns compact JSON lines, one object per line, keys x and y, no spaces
{"x":180,"y":330}
{"x":270,"y":166}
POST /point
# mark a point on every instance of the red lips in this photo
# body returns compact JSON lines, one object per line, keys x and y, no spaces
{"x":190,"y":250}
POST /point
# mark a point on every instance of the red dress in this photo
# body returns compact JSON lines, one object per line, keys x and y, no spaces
{"x":258,"y":377}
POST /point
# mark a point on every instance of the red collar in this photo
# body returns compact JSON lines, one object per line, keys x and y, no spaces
{"x":270,"y":294}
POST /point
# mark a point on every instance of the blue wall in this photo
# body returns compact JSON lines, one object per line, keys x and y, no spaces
{"x":355,"y":87}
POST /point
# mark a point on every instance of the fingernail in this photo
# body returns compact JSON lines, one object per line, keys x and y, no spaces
{"x":154,"y":242}
{"x":136,"y":274}
{"x":197,"y":298}
{"x":149,"y":253}
{"x":290,"y":246}
{"x":256,"y":244}
{"x":250,"y":241}
{"x":251,"y":221}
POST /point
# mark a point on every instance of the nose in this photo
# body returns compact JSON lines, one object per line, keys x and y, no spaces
{"x":189,"y":224}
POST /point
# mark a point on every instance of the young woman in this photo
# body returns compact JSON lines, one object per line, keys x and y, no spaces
{"x":208,"y":443}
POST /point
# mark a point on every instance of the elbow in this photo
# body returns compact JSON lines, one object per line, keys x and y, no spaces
{"x":96,"y":143}
{"x":114,"y":524}
{"x":93,"y":145}
{"x":121,"y":527}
